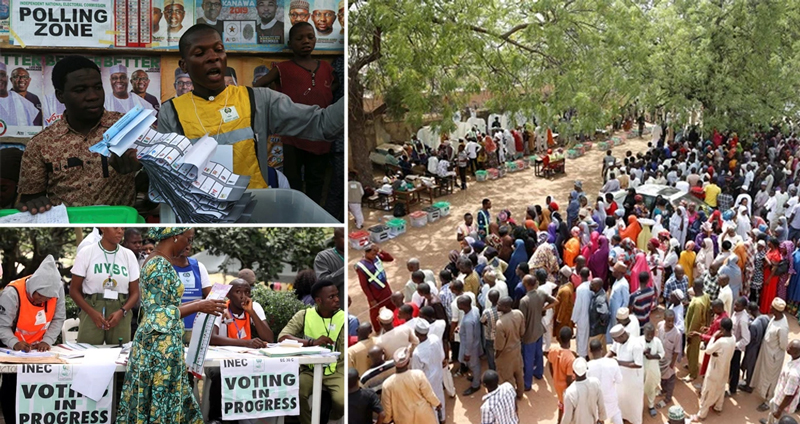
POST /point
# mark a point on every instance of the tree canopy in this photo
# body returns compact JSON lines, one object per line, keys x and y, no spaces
{"x":732,"y":59}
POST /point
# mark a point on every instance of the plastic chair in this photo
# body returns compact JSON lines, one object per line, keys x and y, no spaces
{"x":69,"y":331}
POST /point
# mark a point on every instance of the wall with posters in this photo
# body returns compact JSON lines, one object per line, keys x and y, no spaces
{"x":245,"y":25}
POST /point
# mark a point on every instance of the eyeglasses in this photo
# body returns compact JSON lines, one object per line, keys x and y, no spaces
{"x":21,"y":77}
{"x":183,"y":84}
{"x":145,"y":79}
{"x":174,"y":12}
{"x":119,"y":78}
{"x":298,"y":15}
{"x":214,"y":5}
{"x":317,"y":14}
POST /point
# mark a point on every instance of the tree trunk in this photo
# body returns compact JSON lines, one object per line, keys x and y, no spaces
{"x":356,"y":135}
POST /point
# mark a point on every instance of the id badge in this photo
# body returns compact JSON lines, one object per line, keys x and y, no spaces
{"x":110,"y":294}
{"x":229,"y":114}
{"x":242,"y":334}
{"x":331,"y":327}
{"x":40,"y":318}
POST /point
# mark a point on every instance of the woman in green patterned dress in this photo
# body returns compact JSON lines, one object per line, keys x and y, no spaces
{"x":156,"y":388}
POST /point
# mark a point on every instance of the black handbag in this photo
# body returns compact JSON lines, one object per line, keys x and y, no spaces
{"x":783,"y":267}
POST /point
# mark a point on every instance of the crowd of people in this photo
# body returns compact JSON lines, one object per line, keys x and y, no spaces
{"x":618,"y":296}
{"x":147,"y":289}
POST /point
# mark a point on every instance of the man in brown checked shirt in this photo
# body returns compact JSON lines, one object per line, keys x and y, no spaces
{"x":57,"y":166}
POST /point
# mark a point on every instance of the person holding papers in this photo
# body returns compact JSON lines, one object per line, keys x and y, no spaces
{"x":156,"y":388}
{"x":57,"y":166}
{"x":196,"y":285}
{"x":237,"y":115}
{"x":243,"y":320}
{"x":321,"y":325}
{"x":32,"y":312}
{"x":105,"y":285}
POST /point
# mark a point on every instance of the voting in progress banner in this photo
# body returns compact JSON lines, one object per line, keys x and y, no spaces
{"x":45,"y":395}
{"x":260,"y":387}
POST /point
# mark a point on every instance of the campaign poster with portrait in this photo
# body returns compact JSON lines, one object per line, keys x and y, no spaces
{"x":254,"y":68}
{"x":131,"y":80}
{"x":245,"y":24}
{"x":20,"y":94}
{"x":327,"y":17}
{"x":73,"y":23}
{"x":170,"y":19}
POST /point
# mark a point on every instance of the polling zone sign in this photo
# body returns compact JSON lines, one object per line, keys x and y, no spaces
{"x":45,"y":396}
{"x":76,"y":23}
{"x":260,"y":387}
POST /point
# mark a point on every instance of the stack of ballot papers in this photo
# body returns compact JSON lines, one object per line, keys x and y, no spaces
{"x":181,"y":173}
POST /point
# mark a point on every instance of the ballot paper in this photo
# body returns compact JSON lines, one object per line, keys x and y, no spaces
{"x":56,"y":215}
{"x":201,"y":333}
{"x":94,"y":375}
{"x":181,"y":171}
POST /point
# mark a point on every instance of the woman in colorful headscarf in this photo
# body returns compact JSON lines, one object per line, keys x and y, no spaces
{"x":156,"y":387}
{"x":562,"y":235}
{"x":493,"y":239}
{"x":695,"y":228}
{"x":629,"y":255}
{"x":772,"y":262}
{"x":705,"y":257}
{"x":671,"y":258}
{"x":598,"y":261}
{"x":590,"y":248}
{"x":645,"y":235}
{"x":552,"y":232}
{"x":759,"y":266}
{"x":793,"y":292}
{"x":572,"y":248}
{"x":639,"y":265}
{"x":544,"y":257}
{"x":716,"y":220}
{"x":691,"y":212}
{"x":657,"y":226}
{"x":687,"y":260}
{"x":518,"y":257}
{"x":586,"y":234}
{"x":639,"y":208}
{"x":655,"y":262}
{"x":782,"y":230}
{"x":632,"y":230}
{"x":545,"y":217}
{"x":786,"y":249}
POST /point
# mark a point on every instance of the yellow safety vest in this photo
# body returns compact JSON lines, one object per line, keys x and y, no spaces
{"x":373,"y":278}
{"x":197,"y":116}
{"x":315,"y":326}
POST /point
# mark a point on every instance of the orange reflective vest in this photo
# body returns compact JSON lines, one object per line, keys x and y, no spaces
{"x":239,"y":328}
{"x":32,"y":321}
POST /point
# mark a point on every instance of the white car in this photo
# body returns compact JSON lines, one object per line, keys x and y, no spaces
{"x":673,"y":196}
{"x":378,"y":156}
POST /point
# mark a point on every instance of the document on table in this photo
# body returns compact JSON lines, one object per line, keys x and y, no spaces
{"x":31,"y":354}
{"x":92,"y":378}
{"x":56,"y":215}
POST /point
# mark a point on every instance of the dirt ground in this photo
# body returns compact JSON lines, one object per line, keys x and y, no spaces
{"x":430,"y":244}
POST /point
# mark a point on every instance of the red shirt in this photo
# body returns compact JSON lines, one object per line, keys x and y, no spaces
{"x":415,"y":313}
{"x":296,"y":82}
{"x":611,"y":208}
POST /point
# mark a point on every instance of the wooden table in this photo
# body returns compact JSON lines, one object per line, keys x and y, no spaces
{"x":409,"y":197}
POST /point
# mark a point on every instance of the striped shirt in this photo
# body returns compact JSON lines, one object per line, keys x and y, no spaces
{"x":489,"y":321}
{"x":446,"y":296}
{"x":641,"y":303}
{"x":673,"y":283}
{"x":499,"y":406}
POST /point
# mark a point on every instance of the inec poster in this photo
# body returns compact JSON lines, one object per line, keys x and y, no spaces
{"x":20,"y":94}
{"x":45,"y":395}
{"x":76,"y":23}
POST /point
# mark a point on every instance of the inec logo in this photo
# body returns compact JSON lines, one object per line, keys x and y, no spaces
{"x":3,"y":127}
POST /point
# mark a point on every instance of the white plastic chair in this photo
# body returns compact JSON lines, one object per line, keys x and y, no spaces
{"x":69,"y":331}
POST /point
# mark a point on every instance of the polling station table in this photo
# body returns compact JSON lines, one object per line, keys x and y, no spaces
{"x":214,"y":362}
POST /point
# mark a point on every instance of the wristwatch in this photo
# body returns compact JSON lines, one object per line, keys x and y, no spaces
{"x":124,"y":311}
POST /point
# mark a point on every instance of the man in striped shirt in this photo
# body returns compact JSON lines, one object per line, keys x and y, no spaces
{"x":499,"y":404}
{"x":643,"y":300}
{"x":489,"y":321}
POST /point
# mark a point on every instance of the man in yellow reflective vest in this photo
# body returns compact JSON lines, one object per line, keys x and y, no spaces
{"x":321,"y":325}
{"x":240,"y":116}
{"x":32,"y":312}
